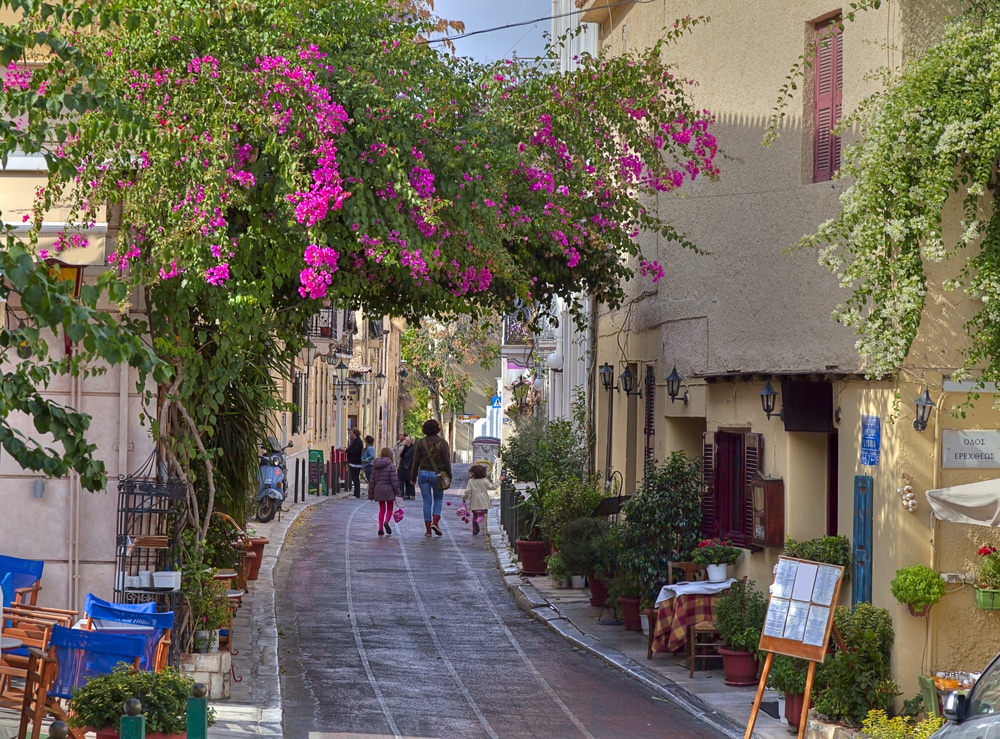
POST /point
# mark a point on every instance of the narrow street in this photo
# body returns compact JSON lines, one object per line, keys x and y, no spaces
{"x":409,"y":636}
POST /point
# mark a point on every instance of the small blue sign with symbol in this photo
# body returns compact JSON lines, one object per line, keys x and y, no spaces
{"x":495,"y":401}
{"x":871,"y":440}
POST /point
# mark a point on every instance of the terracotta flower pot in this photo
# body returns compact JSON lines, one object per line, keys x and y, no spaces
{"x":630,"y":613}
{"x":793,"y":708}
{"x":740,"y":667}
{"x":257,"y":544}
{"x":109,"y":732}
{"x":598,"y":592}
{"x":532,"y":554}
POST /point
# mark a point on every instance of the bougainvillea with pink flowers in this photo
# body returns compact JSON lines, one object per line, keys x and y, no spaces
{"x":268,"y":157}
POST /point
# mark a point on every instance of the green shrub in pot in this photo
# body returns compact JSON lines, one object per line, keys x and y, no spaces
{"x":739,"y":616}
{"x":917,"y":586}
{"x":556,"y":567}
{"x":788,"y":674}
{"x":579,"y":544}
{"x":832,"y":550}
{"x":163,"y":695}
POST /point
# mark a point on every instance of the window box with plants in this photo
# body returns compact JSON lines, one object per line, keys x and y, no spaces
{"x":716,"y":555}
{"x":739,"y":618}
{"x":98,"y":705}
{"x":918,"y":587}
{"x":987,"y":587}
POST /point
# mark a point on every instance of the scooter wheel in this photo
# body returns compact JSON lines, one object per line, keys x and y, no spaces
{"x":266,"y":509}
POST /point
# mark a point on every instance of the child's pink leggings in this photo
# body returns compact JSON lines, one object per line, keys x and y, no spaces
{"x":384,"y":512}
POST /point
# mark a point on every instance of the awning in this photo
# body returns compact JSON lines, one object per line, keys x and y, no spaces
{"x":976,"y":503}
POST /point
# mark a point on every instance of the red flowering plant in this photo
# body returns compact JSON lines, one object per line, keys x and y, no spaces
{"x":716,"y":552}
{"x":988,"y":575}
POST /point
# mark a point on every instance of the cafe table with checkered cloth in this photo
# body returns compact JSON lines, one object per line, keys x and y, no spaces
{"x":681,"y":605}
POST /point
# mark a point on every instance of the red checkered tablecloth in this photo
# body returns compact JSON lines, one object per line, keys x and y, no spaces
{"x":674,"y":617}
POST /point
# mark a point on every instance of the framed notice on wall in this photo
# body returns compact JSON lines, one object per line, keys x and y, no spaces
{"x":800,"y":612}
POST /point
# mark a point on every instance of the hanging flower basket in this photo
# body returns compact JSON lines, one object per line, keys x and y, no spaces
{"x":988,"y":600}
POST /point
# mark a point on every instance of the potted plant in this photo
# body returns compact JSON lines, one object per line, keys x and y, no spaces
{"x":987,"y":585}
{"x":559,"y":571}
{"x":257,"y":544}
{"x":208,"y":607}
{"x":739,"y":618}
{"x":716,"y":555}
{"x":918,"y":587}
{"x":832,"y":550}
{"x":625,"y":590}
{"x":531,"y":547}
{"x":788,"y":676}
{"x":164,"y":697}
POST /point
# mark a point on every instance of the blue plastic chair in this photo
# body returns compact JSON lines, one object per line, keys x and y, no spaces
{"x":82,"y":654}
{"x":152,"y":628}
{"x":135,"y":607}
{"x":26,"y":577}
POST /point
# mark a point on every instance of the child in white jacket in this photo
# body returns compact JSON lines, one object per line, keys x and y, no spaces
{"x":477,"y":495}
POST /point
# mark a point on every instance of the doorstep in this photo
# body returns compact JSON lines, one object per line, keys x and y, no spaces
{"x":706,"y":695}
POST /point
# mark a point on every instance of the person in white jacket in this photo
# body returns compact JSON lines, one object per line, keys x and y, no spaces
{"x":477,"y":495}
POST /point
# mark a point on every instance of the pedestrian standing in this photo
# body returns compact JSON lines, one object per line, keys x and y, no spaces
{"x":368,"y":456}
{"x":383,"y":486}
{"x":354,"y":450}
{"x":431,"y":457}
{"x":405,"y":466}
{"x":477,"y":494}
{"x":397,"y":450}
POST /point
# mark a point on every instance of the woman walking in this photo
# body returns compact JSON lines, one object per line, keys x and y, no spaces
{"x":405,"y":465}
{"x":432,"y":456}
{"x":383,"y":486}
{"x":354,"y":450}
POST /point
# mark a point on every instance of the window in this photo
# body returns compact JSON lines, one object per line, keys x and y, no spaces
{"x":828,"y":88}
{"x":730,"y":460}
{"x":297,"y":405}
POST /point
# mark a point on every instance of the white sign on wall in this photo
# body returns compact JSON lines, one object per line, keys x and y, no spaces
{"x":970,"y":449}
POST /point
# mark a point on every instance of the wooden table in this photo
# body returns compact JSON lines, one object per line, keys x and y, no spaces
{"x":683,"y":605}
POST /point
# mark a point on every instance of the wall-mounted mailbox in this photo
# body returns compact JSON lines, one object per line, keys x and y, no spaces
{"x":768,"y":511}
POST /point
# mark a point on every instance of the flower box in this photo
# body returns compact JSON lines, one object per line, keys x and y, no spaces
{"x":988,"y":600}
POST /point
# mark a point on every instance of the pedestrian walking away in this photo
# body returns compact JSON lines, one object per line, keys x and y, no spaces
{"x":354,"y":450}
{"x":368,"y":457}
{"x":431,"y":457}
{"x":405,"y":466}
{"x":477,"y":495}
{"x":383,"y":486}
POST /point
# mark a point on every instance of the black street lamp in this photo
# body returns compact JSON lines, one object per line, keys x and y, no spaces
{"x":768,"y":396}
{"x":923,"y":405}
{"x":674,"y":381}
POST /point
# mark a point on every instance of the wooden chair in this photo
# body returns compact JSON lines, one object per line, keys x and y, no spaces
{"x":688,"y":572}
{"x":929,"y":693}
{"x":74,"y":656}
{"x":32,"y":626}
{"x":703,"y":641}
{"x":26,"y":577}
{"x":153,"y":628}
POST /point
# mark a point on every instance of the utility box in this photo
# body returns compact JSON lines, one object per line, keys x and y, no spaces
{"x":768,"y":511}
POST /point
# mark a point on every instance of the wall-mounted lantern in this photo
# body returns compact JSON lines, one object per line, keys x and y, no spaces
{"x":674,"y":381}
{"x":923,"y":405}
{"x":768,"y":397}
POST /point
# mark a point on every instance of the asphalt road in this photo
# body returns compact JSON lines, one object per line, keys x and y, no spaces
{"x":407,"y":636}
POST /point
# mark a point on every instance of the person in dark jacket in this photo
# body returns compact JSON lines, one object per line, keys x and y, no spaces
{"x":405,"y":466}
{"x":383,"y":486}
{"x":432,"y":451}
{"x":354,"y":450}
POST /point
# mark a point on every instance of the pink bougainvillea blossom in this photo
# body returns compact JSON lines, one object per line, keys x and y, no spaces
{"x":651,"y":269}
{"x":217,"y":275}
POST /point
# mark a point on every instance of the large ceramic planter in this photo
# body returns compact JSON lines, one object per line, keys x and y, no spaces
{"x":630,"y":613}
{"x":111,"y":733}
{"x":717,"y":572}
{"x":257,"y":544}
{"x":793,"y":708}
{"x":532,"y":554}
{"x":598,"y":592}
{"x":740,"y":667}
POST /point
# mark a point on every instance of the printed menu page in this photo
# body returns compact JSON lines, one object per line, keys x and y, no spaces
{"x":805,"y":577}
{"x":784,"y":578}
{"x":774,"y":623}
{"x":795,"y":623}
{"x":826,"y":583}
{"x":815,"y":631}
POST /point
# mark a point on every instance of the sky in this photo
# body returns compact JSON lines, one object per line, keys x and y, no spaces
{"x":527,"y":41}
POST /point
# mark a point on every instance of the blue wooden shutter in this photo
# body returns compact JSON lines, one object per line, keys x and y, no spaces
{"x":827,"y":100}
{"x":861,"y":574}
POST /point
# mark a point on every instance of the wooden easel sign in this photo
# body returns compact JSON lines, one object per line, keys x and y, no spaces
{"x":799,"y":621}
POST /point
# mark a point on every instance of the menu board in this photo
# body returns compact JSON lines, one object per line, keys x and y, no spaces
{"x":800,"y":610}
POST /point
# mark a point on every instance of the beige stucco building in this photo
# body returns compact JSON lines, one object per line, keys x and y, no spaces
{"x":749,"y":310}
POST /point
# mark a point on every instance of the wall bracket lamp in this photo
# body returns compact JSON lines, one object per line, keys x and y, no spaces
{"x":768,"y":397}
{"x":629,"y":382}
{"x":924,"y":404}
{"x":607,"y":375}
{"x":674,"y":381}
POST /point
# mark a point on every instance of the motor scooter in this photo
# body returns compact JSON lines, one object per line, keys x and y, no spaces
{"x":271,"y":476}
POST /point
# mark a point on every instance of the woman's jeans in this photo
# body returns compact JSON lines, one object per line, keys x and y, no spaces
{"x":433,"y":495}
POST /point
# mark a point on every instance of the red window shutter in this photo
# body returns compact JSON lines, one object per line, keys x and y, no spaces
{"x":753,"y":452}
{"x":709,"y":524}
{"x":828,"y":94}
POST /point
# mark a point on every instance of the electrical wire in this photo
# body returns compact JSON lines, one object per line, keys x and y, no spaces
{"x":531,"y":22}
